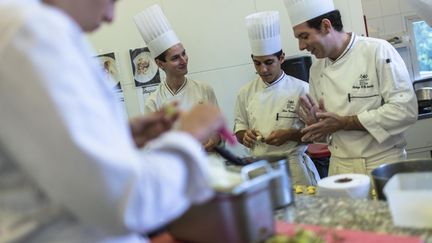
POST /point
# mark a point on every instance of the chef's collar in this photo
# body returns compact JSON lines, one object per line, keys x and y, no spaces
{"x":328,"y":61}
{"x":179,"y":89}
{"x":282,"y":76}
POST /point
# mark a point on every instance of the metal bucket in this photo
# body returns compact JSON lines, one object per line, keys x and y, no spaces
{"x":244,"y":215}
{"x":383,"y":173}
{"x":280,"y":187}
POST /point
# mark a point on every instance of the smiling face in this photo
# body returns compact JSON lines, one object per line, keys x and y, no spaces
{"x":176,"y":61}
{"x":268,"y":67}
{"x":312,"y":40}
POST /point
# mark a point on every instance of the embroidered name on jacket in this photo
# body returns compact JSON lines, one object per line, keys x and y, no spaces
{"x":363,"y":82}
{"x":290,"y":106}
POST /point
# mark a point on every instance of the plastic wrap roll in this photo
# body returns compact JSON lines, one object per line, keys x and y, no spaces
{"x":345,"y":185}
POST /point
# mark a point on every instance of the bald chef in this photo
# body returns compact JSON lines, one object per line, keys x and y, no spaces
{"x":361,"y":96}
{"x":266,"y":119}
{"x":171,"y":57}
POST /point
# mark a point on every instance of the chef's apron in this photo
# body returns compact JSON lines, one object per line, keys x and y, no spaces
{"x":362,"y":165}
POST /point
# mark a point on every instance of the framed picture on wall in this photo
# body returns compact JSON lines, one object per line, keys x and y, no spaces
{"x":144,"y":68}
{"x":109,"y":66}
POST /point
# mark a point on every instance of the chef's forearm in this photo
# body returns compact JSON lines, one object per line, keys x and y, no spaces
{"x":352,"y":123}
{"x":295,"y":135}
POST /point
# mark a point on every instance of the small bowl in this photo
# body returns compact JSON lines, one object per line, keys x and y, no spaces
{"x":383,"y":173}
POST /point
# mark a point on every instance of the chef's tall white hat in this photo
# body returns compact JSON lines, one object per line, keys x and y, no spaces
{"x":300,"y":11}
{"x":424,"y":9}
{"x":155,"y":30}
{"x":264,"y":33}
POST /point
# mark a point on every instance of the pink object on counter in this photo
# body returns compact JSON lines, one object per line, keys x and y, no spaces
{"x":228,"y":136}
{"x":351,"y":236}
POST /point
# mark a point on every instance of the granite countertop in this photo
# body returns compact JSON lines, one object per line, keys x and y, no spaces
{"x":346,"y":213}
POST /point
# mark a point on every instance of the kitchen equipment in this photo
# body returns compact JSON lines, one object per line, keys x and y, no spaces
{"x":423,"y":90}
{"x":243,"y":214}
{"x":409,"y":196}
{"x":384,"y":172}
{"x":280,"y":187}
{"x":231,"y":158}
{"x":297,"y":66}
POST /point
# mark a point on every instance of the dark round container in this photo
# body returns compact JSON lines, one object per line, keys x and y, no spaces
{"x":384,"y":172}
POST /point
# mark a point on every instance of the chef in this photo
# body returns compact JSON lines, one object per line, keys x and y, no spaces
{"x":361,"y":96}
{"x":265,"y":114}
{"x":70,"y":166}
{"x":171,"y":57}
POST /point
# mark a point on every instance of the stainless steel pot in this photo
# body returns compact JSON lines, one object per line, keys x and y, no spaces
{"x":424,"y":93}
{"x":424,"y":96}
{"x":243,"y":215}
{"x":383,"y":173}
{"x":280,"y":187}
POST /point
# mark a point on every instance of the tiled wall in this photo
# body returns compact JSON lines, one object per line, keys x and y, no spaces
{"x":386,"y":18}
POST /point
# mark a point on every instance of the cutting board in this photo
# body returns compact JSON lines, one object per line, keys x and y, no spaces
{"x":351,"y":236}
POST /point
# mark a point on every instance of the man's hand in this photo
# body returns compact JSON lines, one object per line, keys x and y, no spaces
{"x":309,"y":108}
{"x":249,"y":137}
{"x":281,"y":136}
{"x":146,"y":128}
{"x":212,"y":142}
{"x":328,"y":123}
{"x":202,"y":121}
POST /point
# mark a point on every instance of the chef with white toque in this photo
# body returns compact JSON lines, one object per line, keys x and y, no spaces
{"x":170,"y":55}
{"x":361,"y":96}
{"x":265,"y":115}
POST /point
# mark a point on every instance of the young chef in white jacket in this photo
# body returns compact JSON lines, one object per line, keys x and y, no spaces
{"x":266,"y":119}
{"x":361,"y":97}
{"x":70,"y":170}
{"x":171,"y":57}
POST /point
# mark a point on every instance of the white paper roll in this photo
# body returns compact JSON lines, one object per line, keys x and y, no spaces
{"x":345,"y":185}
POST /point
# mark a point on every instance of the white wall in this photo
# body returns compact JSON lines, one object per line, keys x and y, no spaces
{"x":386,"y":18}
{"x":215,"y":37}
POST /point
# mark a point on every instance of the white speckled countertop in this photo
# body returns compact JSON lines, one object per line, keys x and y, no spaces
{"x":345,"y":213}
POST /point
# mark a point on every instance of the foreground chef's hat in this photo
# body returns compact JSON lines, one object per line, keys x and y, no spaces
{"x":155,"y":30}
{"x":424,"y":9}
{"x":300,"y":11}
{"x":264,"y":33}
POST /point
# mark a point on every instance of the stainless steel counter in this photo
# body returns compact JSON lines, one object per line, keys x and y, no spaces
{"x":345,"y":213}
{"x":424,"y":116}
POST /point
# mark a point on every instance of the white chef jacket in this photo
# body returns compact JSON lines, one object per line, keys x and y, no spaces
{"x":369,"y":80}
{"x":64,"y":133}
{"x":268,"y":107}
{"x":188,"y":95}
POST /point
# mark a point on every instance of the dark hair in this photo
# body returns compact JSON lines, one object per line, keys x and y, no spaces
{"x":334,"y":17}
{"x":162,"y":56}
{"x":276,"y":54}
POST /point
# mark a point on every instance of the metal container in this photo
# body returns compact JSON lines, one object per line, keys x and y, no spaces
{"x":423,"y":90}
{"x":243,"y":215}
{"x":383,"y":173}
{"x":280,"y":187}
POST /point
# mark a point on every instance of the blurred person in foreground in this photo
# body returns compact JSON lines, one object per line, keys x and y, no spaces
{"x":361,"y":96}
{"x":71,"y":169}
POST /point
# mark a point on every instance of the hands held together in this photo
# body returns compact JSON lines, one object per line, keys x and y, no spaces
{"x":319,"y":122}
